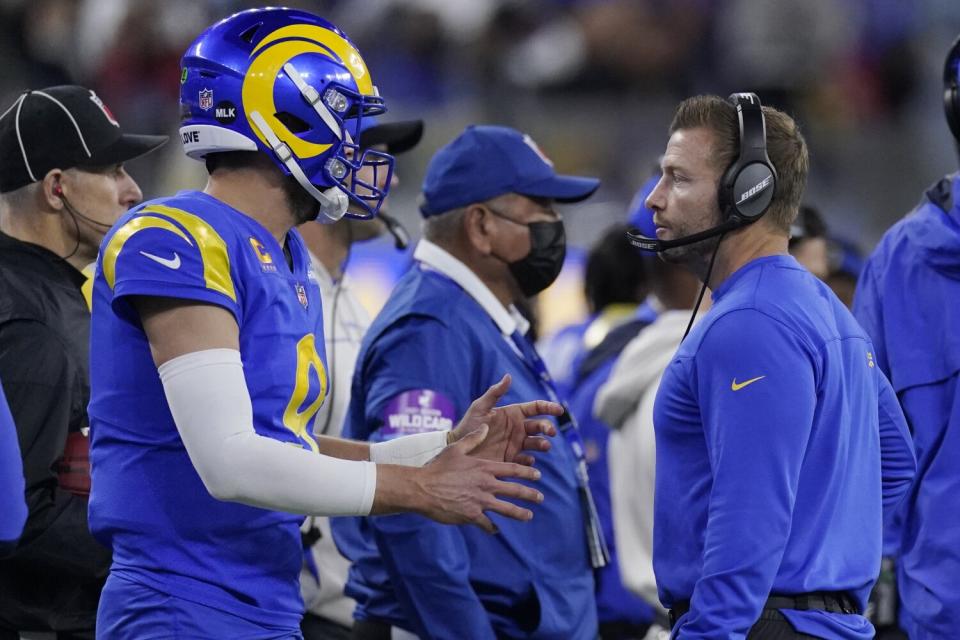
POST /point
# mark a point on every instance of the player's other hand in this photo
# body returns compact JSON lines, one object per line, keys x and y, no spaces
{"x":457,"y":486}
{"x":513,"y":428}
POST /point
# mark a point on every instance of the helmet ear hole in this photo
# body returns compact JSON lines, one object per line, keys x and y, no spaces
{"x":293,"y":123}
{"x":249,"y":34}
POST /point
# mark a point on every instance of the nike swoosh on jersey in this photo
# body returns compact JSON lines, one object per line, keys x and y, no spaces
{"x":173,"y":263}
{"x":736,"y":386}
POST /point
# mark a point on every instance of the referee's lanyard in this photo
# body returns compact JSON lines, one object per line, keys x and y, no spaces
{"x":599,"y":554}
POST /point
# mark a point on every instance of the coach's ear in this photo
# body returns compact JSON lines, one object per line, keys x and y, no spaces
{"x":480,"y":227}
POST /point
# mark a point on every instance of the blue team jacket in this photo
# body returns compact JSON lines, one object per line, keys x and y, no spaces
{"x":532,"y":580}
{"x":780,"y":446}
{"x":908,"y":300}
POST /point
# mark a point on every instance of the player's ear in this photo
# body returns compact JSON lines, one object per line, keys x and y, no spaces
{"x":478,"y":227}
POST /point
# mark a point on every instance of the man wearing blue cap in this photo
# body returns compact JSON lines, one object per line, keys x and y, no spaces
{"x":491,"y":237}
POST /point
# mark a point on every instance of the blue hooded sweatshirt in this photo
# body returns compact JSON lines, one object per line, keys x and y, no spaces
{"x":908,"y":301}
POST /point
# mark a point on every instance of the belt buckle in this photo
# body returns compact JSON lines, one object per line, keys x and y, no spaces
{"x":841,"y":601}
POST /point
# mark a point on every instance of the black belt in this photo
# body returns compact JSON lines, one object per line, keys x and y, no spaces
{"x":833,"y":602}
{"x":371,"y":629}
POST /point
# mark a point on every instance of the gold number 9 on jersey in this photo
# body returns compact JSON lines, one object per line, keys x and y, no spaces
{"x":308,"y":360}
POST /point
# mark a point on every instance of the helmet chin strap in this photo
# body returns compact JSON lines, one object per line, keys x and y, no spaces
{"x":333,"y":201}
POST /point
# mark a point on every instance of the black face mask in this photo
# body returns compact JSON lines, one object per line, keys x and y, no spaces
{"x":540,"y":267}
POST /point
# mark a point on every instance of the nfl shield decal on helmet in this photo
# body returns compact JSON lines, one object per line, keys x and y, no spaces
{"x":302,"y":295}
{"x":206,"y":99}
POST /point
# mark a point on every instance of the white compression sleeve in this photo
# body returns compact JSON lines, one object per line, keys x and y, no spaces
{"x":210,"y":403}
{"x":409,"y":451}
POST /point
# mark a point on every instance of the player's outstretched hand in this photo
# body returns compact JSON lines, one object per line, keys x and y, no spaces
{"x":457,"y":487}
{"x":514,"y":428}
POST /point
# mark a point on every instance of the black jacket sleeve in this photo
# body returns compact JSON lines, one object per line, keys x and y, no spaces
{"x":41,"y":385}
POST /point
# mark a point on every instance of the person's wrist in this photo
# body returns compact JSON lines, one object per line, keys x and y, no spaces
{"x":451,"y":437}
{"x":400,"y":489}
{"x":417,"y":489}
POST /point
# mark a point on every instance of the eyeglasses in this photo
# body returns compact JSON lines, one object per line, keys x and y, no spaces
{"x":545,"y":210}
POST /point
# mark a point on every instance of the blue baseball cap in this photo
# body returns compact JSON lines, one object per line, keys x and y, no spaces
{"x":640,"y":216}
{"x":487,"y":161}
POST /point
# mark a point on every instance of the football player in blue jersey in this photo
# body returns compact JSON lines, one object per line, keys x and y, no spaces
{"x":207,"y":359}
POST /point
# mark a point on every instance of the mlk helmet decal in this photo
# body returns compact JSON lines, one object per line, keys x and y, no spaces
{"x":289,"y":84}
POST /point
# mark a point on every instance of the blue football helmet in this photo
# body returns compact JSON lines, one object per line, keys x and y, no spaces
{"x":291,"y":85}
{"x":639,"y":215}
{"x":951,"y":89}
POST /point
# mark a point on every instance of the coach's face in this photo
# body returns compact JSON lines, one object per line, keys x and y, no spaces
{"x":684,"y":201}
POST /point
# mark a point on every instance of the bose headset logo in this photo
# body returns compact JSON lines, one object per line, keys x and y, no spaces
{"x":755,"y":189}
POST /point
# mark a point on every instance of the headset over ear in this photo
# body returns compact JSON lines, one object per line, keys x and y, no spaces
{"x":951,"y":89}
{"x":748,"y":185}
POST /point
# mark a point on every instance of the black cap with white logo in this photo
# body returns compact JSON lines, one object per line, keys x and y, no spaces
{"x":59,"y":128}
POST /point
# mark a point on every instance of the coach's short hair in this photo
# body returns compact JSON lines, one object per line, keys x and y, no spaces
{"x":785,"y":146}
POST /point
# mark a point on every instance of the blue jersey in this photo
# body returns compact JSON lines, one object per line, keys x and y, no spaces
{"x":780,"y":445}
{"x":432,"y":350}
{"x":13,"y":505}
{"x":148,"y":502}
{"x":908,"y":300}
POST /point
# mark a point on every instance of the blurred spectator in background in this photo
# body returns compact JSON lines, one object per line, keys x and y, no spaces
{"x":845,"y":263}
{"x":615,"y":287}
{"x":908,"y":300}
{"x":12,"y":504}
{"x":625,"y":403}
{"x":834,"y":260}
{"x":63,"y":185}
{"x":612,"y":261}
{"x":617,"y":278}
{"x":808,"y":242}
{"x":491,"y":236}
{"x":329,"y":613}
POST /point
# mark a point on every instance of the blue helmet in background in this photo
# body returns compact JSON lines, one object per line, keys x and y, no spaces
{"x":639,"y":215}
{"x":951,"y":89}
{"x":291,"y":85}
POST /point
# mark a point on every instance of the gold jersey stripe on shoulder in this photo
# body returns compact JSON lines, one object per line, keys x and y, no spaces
{"x":89,"y":272}
{"x":124,"y":233}
{"x":212,"y":247}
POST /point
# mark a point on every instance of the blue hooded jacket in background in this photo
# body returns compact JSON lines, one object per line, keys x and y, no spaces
{"x":531,"y":580}
{"x":908,"y":301}
{"x":615,"y":603}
